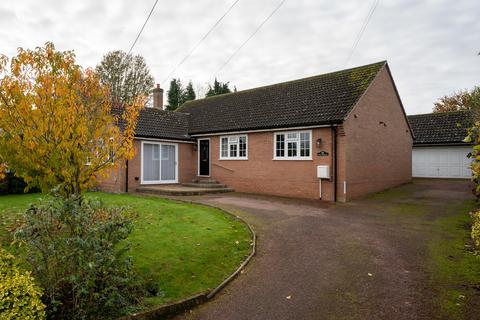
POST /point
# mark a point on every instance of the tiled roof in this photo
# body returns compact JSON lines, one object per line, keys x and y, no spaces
{"x":155,"y":123}
{"x":323,"y":99}
{"x":440,"y":128}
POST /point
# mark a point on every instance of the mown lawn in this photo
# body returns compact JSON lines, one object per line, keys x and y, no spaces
{"x":184,"y":248}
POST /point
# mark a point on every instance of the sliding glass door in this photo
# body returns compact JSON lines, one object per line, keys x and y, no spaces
{"x":159,"y":163}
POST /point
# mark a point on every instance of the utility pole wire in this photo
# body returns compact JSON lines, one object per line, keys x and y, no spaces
{"x":362,"y":30}
{"x":188,"y":55}
{"x":144,"y":24}
{"x":251,"y":36}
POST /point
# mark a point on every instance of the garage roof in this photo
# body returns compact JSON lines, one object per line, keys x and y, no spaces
{"x":440,"y":128}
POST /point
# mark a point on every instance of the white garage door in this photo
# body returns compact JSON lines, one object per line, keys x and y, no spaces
{"x":441,"y":162}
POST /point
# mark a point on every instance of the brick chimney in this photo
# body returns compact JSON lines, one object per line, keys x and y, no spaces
{"x":158,"y":97}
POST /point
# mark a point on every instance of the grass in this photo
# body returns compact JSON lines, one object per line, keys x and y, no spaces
{"x":185,"y":248}
{"x":443,"y":227}
{"x":454,"y":267}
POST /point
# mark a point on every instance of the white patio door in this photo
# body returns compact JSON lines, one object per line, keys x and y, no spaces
{"x":168,"y":163}
{"x":159,"y":163}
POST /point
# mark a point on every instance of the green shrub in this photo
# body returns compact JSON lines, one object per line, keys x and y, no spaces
{"x":78,"y":253}
{"x":476,"y":228}
{"x":19,"y":295}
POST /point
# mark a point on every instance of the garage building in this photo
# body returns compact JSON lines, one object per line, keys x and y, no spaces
{"x":438,"y":147}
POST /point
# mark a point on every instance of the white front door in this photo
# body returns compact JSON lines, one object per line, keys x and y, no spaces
{"x":441,"y":162}
{"x":159,"y":162}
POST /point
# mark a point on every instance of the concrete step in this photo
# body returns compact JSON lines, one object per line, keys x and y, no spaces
{"x":204,"y":185}
{"x":204,"y":180}
{"x":179,"y":190}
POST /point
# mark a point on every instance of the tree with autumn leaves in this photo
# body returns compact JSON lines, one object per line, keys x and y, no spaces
{"x":58,"y":132}
{"x":56,"y":126}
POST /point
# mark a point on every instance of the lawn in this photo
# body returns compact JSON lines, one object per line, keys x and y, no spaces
{"x":184,"y":248}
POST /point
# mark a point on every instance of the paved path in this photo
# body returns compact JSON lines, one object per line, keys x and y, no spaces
{"x":360,"y":260}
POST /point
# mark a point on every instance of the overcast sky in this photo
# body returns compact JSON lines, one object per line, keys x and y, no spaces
{"x":432,"y":46}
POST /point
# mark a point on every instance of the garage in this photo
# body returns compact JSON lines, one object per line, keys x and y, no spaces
{"x":441,"y":162}
{"x":438,"y":147}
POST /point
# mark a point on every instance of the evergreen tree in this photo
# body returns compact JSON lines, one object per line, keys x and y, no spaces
{"x":188,"y":93}
{"x":175,"y":95}
{"x":218,"y":88}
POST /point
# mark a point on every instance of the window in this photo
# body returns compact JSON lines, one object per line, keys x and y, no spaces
{"x":233,"y":148}
{"x":294,"y":145}
{"x":159,"y":163}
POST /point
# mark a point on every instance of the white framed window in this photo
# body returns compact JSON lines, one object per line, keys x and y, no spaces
{"x":292,"y":145}
{"x":159,"y":162}
{"x":234,"y":147}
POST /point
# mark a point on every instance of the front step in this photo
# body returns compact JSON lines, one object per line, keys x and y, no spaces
{"x":204,"y":180}
{"x":180,"y":190}
{"x":204,"y":185}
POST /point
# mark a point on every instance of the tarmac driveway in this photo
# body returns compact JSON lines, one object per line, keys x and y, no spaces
{"x":360,"y":260}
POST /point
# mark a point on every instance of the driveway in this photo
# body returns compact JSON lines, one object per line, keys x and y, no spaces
{"x":362,"y":260}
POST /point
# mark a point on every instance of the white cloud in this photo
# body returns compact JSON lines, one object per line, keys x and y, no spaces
{"x":431,"y":45}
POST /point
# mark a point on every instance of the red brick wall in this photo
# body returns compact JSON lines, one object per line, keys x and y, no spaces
{"x":378,"y":156}
{"x":370,"y":156}
{"x":261,"y":174}
{"x":115,"y":179}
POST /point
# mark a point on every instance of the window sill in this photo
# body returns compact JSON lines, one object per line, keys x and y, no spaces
{"x":229,"y":159}
{"x":292,"y":159}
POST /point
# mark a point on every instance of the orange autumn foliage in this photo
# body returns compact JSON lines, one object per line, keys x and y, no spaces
{"x":55,"y":118}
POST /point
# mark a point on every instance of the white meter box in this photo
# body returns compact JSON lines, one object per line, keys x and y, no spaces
{"x":323,"y":172}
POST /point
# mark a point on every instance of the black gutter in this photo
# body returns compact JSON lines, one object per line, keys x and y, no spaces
{"x":275,"y":127}
{"x":186,"y":140}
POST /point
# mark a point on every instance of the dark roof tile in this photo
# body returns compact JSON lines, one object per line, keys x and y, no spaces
{"x":440,"y":128}
{"x":161,"y":124}
{"x":323,"y":99}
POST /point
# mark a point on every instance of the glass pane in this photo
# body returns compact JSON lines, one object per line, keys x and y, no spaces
{"x":280,"y":145}
{"x":292,"y":149}
{"x":233,"y":150}
{"x":224,"y":147}
{"x":292,"y":136}
{"x":168,"y":162}
{"x":305,"y":144}
{"x":242,"y":147}
{"x":151,"y":162}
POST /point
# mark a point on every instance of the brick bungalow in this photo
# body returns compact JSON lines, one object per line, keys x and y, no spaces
{"x":334,"y":137}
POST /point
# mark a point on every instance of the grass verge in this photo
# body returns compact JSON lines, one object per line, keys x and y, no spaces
{"x":454,"y":268}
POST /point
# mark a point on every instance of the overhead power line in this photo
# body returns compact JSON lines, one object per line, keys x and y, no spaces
{"x":189,"y":54}
{"x":251,"y":36}
{"x":144,"y":24}
{"x":362,"y":30}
